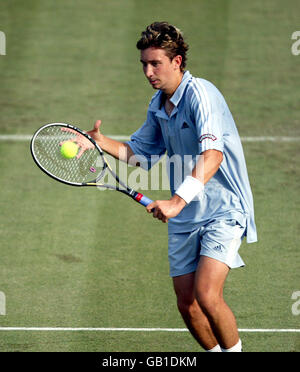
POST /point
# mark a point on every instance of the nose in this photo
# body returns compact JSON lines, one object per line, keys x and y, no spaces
{"x":148,"y":71}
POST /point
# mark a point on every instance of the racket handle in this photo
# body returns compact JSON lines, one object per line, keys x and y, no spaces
{"x":142,"y":199}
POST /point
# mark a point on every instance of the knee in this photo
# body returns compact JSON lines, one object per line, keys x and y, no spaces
{"x":188,"y":308}
{"x":209,"y":301}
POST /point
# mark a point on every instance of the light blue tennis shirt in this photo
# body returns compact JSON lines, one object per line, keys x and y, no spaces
{"x":200,"y":121}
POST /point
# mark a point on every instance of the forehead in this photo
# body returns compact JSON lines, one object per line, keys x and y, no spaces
{"x":153,"y":54}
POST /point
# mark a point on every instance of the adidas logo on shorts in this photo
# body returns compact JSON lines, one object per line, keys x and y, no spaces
{"x":218,"y":248}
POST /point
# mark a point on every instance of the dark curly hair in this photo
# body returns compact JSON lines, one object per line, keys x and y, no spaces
{"x":165,"y":36}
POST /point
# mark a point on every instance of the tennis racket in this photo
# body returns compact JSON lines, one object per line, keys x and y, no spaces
{"x":87,"y":168}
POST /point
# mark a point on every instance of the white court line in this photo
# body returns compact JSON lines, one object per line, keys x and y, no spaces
{"x":270,"y":139}
{"x":70,"y":329}
{"x":27,"y":137}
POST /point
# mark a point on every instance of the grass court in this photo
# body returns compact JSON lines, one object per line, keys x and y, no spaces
{"x":77,"y":257}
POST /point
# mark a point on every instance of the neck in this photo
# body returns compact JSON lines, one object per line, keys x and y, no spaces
{"x":172,"y":89}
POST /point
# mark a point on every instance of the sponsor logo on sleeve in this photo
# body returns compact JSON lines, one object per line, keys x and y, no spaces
{"x":207,"y":136}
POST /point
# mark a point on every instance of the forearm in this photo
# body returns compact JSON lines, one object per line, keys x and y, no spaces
{"x":117,"y":149}
{"x":207,"y":165}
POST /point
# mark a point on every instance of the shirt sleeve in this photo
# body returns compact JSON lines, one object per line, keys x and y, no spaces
{"x":147,"y":142}
{"x":208,"y":113}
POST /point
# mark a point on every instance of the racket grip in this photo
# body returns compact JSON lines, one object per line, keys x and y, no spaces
{"x":142,"y":199}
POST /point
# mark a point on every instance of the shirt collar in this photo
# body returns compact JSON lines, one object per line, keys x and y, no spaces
{"x":180,"y":90}
{"x":156,"y":102}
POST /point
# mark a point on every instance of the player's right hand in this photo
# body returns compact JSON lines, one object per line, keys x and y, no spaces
{"x":166,"y":209}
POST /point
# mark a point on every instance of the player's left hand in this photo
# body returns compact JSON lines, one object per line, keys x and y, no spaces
{"x":165,"y":209}
{"x":81,"y":141}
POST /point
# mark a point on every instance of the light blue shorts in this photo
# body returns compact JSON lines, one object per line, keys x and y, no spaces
{"x":219,"y":239}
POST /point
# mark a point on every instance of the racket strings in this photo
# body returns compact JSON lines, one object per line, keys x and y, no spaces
{"x":47,"y":149}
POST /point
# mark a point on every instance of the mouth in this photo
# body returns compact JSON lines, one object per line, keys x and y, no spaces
{"x":153,"y":82}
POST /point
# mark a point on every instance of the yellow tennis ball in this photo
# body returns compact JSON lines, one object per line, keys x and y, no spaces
{"x":69,"y":149}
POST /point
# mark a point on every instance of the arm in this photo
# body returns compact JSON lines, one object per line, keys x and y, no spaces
{"x":206,"y":167}
{"x":118,"y":150}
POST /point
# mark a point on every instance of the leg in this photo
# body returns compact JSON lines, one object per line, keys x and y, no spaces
{"x":194,"y":318}
{"x":209,"y":282}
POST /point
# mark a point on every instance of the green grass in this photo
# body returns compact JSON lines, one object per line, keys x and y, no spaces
{"x":84,"y":258}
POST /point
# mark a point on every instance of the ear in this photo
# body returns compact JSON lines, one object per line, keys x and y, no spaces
{"x":177,"y":60}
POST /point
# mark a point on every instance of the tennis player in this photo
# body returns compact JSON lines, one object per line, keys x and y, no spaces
{"x":211,"y":210}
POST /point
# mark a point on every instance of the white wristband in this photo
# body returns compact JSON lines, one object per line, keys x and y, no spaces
{"x":190,"y":188}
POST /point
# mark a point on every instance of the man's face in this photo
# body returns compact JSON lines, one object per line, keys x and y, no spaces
{"x":161,"y":72}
